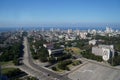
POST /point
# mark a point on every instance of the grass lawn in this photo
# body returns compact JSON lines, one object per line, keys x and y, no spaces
{"x":6,"y":70}
{"x":70,"y":66}
{"x":74,"y":49}
{"x":59,"y":70}
{"x":9,"y":63}
{"x":74,"y":63}
{"x":12,"y":73}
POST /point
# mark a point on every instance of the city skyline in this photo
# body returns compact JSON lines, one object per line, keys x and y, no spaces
{"x":36,"y":12}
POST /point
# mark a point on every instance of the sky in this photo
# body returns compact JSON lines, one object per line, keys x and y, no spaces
{"x":32,"y":12}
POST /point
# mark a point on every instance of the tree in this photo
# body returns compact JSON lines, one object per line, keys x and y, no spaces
{"x":16,"y":61}
{"x":65,"y":56}
{"x":52,"y":60}
{"x":43,"y":54}
{"x":89,"y":55}
{"x":54,"y":68}
{"x":11,"y":72}
{"x":63,"y":64}
{"x":12,"y":53}
{"x":114,"y":61}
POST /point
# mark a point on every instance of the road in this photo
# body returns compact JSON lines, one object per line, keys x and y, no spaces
{"x":36,"y":70}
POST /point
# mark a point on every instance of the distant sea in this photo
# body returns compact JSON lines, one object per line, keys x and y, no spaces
{"x":5,"y":29}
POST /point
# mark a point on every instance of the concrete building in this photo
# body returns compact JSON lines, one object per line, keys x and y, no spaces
{"x":69,"y":31}
{"x":93,"y":42}
{"x":61,"y":36}
{"x":77,"y":32}
{"x":55,"y":51}
{"x":48,"y":46}
{"x":69,"y":38}
{"x":83,"y":35}
{"x":94,"y":32}
{"x":108,"y":30}
{"x":106,"y":51}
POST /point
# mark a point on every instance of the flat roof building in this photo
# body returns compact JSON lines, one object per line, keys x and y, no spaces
{"x":106,"y":51}
{"x":93,"y":42}
{"x":55,"y":51}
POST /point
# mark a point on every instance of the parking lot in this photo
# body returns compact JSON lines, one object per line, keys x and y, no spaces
{"x":93,"y":71}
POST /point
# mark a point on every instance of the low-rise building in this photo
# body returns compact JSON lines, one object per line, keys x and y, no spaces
{"x":70,"y":38}
{"x":55,"y":51}
{"x":49,"y":46}
{"x":93,"y":42}
{"x":106,"y":51}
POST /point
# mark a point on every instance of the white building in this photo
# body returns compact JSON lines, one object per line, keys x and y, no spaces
{"x":88,"y":31}
{"x":83,"y":35}
{"x":77,"y":32}
{"x":108,"y":30}
{"x":94,"y":32}
{"x":106,"y":51}
{"x":49,"y":46}
{"x":69,"y":31}
{"x":93,"y":42}
{"x":61,"y":36}
{"x":69,"y":38}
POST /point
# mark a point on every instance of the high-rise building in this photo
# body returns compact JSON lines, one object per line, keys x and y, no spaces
{"x":69,"y":31}
{"x":108,"y":30}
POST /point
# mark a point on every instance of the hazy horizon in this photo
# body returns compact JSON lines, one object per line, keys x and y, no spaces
{"x":39,"y":12}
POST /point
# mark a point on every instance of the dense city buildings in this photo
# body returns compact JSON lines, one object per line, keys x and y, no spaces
{"x":58,"y":52}
{"x":59,"y":39}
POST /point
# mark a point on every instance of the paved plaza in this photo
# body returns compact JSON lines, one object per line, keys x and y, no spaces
{"x":93,"y":71}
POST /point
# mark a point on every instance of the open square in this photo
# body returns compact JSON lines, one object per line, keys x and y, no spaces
{"x":92,"y":71}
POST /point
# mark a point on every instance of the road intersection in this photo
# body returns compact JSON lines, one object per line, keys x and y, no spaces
{"x":35,"y":70}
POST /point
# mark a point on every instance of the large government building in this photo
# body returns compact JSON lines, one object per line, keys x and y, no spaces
{"x":106,"y":51}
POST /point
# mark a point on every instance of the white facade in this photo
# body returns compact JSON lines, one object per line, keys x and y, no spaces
{"x":83,"y":35}
{"x":106,"y":54}
{"x":61,"y":36}
{"x":108,"y":30}
{"x":48,"y":46}
{"x":49,"y":51}
{"x":106,"y":51}
{"x":69,"y":38}
{"x":78,"y":32}
{"x":94,"y":31}
{"x":69,"y":31}
{"x":92,"y":42}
